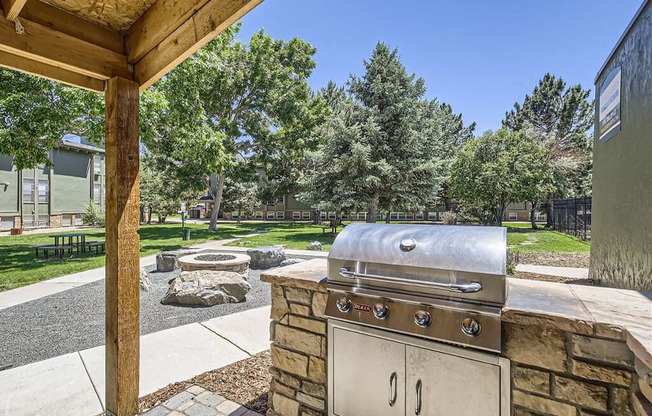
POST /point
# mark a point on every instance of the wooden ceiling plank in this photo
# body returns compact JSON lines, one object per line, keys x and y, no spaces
{"x":50,"y":72}
{"x":12,"y":8}
{"x":208,"y":22}
{"x":70,"y":24}
{"x":158,"y":22}
{"x":43,"y":44}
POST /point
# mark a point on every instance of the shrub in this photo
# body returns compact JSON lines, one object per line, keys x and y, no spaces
{"x":93,"y":215}
{"x":449,"y":218}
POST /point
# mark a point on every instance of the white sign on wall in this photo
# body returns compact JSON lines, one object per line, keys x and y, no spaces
{"x":609,"y":114}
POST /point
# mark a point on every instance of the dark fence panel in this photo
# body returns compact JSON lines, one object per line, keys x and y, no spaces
{"x":573,"y":216}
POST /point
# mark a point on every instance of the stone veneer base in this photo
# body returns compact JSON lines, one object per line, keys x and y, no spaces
{"x":575,"y":350}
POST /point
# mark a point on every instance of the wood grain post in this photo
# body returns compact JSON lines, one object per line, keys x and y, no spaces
{"x":122,"y":248}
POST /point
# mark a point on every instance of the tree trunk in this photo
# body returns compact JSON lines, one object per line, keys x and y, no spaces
{"x":373,"y":209}
{"x":549,"y":212}
{"x":217,"y":186}
{"x":239,"y":212}
{"x":149,"y":215}
{"x":387,"y":217}
{"x":499,"y":214}
{"x":533,"y":219}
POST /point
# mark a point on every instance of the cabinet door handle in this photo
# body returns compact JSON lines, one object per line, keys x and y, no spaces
{"x":417,"y":406}
{"x":392,"y":389}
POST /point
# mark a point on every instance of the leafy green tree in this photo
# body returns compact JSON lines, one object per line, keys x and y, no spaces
{"x":234,"y":102}
{"x":240,"y":197}
{"x":161,"y":191}
{"x":495,"y":170}
{"x":35,"y":114}
{"x":382,"y":148}
{"x":560,"y":117}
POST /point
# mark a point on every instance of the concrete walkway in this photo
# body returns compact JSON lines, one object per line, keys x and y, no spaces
{"x":73,"y":384}
{"x":570,"y":272}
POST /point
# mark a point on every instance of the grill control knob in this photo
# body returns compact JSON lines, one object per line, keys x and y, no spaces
{"x":471,"y":327}
{"x":422,"y":318}
{"x":381,"y":311}
{"x":343,"y":304}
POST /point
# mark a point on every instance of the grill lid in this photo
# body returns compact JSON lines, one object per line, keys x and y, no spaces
{"x":472,"y":249}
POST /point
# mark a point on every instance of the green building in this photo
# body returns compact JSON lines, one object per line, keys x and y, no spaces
{"x":621,"y":246}
{"x":53,"y":196}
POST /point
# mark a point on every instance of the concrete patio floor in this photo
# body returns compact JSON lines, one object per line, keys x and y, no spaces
{"x":73,"y":384}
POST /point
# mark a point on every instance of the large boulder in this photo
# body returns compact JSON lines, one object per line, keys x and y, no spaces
{"x":206,"y":288}
{"x":168,"y":261}
{"x":266,"y":256}
{"x":145,"y":283}
{"x":290,"y":262}
{"x":314,"y":246}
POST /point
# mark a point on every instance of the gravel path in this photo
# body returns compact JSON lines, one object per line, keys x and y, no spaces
{"x":73,"y":320}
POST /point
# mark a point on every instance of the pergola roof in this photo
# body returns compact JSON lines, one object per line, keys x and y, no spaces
{"x":86,"y":42}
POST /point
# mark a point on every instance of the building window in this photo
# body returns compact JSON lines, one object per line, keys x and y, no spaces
{"x":362,"y":215}
{"x":409,"y":216}
{"x":258,"y":215}
{"x":66,"y":220}
{"x":331,"y":215}
{"x":97,"y":193}
{"x":393,"y":215}
{"x":234,"y":214}
{"x":296,"y":215}
{"x":270,"y":215}
{"x":78,"y":219}
{"x":6,"y":223}
{"x":419,"y":217}
{"x":323,"y":215}
{"x":346,"y":216}
{"x":513,"y":216}
{"x":305,"y":215}
{"x":280,"y":201}
{"x":43,"y":191}
{"x":97,"y":164}
{"x":28,"y":190}
{"x":401,"y":215}
{"x":280,"y":215}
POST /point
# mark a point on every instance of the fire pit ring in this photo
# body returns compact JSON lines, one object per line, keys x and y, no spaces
{"x":231,"y":262}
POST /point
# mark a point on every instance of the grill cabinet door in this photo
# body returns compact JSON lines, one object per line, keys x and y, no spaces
{"x":450,"y":385}
{"x":362,"y":368}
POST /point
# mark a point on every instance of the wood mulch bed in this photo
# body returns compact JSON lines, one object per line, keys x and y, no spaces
{"x":245,"y":382}
{"x":556,"y":259}
{"x":548,"y":278}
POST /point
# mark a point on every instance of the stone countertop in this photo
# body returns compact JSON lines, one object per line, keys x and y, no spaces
{"x":589,"y":310}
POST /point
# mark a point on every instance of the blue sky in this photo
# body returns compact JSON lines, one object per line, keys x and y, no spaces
{"x":479,"y":56}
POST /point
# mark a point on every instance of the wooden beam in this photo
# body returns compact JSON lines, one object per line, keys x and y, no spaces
{"x":122,"y":248}
{"x":12,"y":8}
{"x":46,"y":45}
{"x":157,"y":23}
{"x":208,"y":22}
{"x":68,"y":23}
{"x":50,"y":72}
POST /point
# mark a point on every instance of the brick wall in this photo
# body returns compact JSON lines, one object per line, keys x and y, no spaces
{"x":298,"y":335}
{"x":567,"y":374}
{"x":55,"y":221}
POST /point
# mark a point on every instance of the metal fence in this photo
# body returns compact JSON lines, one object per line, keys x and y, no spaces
{"x":573,"y":216}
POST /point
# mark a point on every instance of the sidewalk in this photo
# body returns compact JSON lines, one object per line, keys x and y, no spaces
{"x":73,"y":384}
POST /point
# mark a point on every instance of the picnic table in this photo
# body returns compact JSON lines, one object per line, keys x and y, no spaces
{"x":79,"y":244}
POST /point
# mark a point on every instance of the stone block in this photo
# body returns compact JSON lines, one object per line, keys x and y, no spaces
{"x":300,"y":309}
{"x":266,"y":257}
{"x":231,"y":408}
{"x":297,"y":295}
{"x":319,"y":304}
{"x":314,"y":389}
{"x":206,"y":288}
{"x":198,"y":409}
{"x":602,"y":350}
{"x":312,"y":325}
{"x":279,"y":305}
{"x":598,"y":373}
{"x":311,"y":412}
{"x":535,"y":346}
{"x":285,"y":405}
{"x":297,"y":339}
{"x":289,"y":361}
{"x":317,"y":370}
{"x":282,"y":388}
{"x":310,"y":401}
{"x":196,"y":390}
{"x":621,"y":402}
{"x":209,"y":399}
{"x":532,"y":380}
{"x":542,"y":404}
{"x":580,"y":392}
{"x":167,"y":262}
{"x":644,"y":378}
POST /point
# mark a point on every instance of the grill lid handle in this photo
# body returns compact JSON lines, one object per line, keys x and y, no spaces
{"x":471,"y":287}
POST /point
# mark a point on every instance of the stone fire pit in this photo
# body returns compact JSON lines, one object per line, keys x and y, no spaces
{"x":231,"y":262}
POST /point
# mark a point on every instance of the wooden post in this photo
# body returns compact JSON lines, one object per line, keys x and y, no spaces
{"x":122,"y":248}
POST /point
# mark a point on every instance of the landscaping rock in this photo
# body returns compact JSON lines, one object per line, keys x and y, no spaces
{"x":290,"y":261}
{"x":314,"y":246}
{"x":168,"y":261}
{"x":145,"y":284}
{"x":266,"y":257}
{"x":206,"y":288}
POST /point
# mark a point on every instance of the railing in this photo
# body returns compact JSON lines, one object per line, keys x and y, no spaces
{"x":573,"y":216}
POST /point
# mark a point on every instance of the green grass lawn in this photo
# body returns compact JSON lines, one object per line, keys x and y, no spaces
{"x":18,"y":267}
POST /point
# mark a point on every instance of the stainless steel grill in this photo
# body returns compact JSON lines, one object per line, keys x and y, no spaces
{"x":405,"y":287}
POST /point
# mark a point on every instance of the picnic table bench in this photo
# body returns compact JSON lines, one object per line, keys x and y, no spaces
{"x":332,"y":225}
{"x":99,"y":245}
{"x":58,"y":250}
